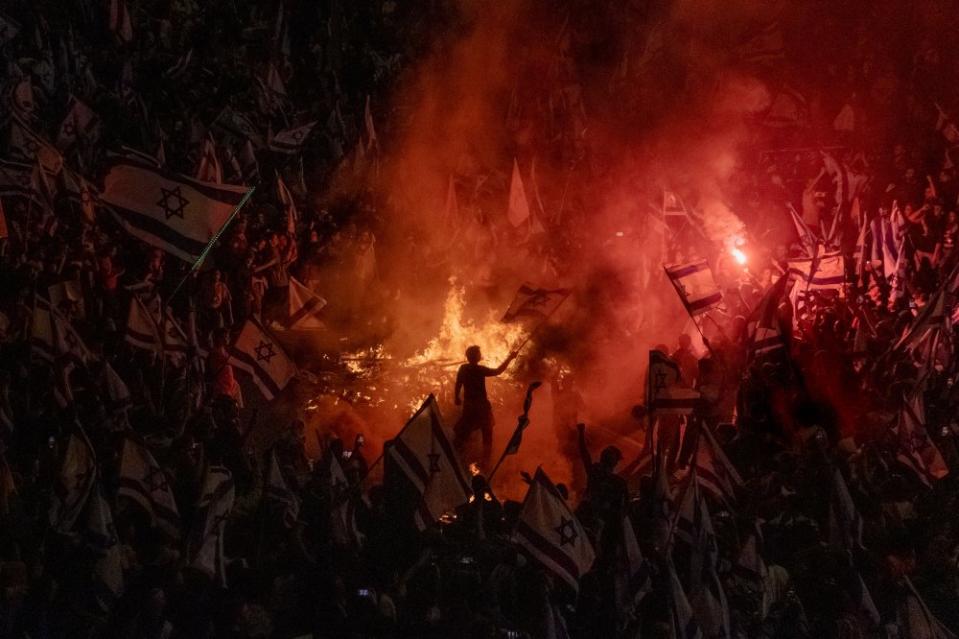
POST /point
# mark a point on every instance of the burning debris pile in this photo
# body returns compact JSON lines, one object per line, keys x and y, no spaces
{"x":374,"y":385}
{"x":376,"y":377}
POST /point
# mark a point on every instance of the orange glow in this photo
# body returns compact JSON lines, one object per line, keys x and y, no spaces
{"x":739,"y":256}
{"x":458,"y":332}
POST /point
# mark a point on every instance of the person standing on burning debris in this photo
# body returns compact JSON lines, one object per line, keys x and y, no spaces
{"x":471,"y":394}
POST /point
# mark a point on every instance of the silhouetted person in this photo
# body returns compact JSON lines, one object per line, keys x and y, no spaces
{"x":477,"y":411}
{"x":686,"y":359}
{"x":606,"y":492}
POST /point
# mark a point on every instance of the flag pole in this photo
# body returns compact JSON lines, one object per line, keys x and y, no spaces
{"x":695,"y":323}
{"x":521,"y":423}
{"x":539,"y":326}
{"x":209,"y":246}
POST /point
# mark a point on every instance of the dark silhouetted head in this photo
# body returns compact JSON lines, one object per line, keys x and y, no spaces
{"x":473,"y":354}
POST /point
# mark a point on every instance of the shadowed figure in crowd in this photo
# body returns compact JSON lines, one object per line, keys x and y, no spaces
{"x":471,"y":393}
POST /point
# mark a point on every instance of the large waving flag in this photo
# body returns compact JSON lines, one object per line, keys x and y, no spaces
{"x":916,"y":450}
{"x":666,"y":392}
{"x":165,"y":209}
{"x":305,"y":307}
{"x":549,"y":531}
{"x":424,"y":453}
{"x":695,"y":285}
{"x":209,"y":523}
{"x":535,"y":303}
{"x":144,"y":482}
{"x":257,"y":353}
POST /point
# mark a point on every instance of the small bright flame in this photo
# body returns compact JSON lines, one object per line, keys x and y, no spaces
{"x":738,"y":255}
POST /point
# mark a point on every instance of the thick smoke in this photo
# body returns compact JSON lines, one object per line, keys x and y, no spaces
{"x":612,"y":103}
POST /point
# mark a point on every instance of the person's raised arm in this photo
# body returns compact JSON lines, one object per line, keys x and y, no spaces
{"x":583,"y":448}
{"x":506,"y":362}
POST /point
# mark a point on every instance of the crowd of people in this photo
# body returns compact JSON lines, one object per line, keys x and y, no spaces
{"x":806,"y":493}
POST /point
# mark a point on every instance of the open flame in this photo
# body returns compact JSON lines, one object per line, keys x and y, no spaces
{"x":458,"y":332}
{"x":375,"y":377}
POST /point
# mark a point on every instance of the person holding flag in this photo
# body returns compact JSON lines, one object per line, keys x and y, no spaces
{"x":530,"y":304}
{"x":470,"y":393}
